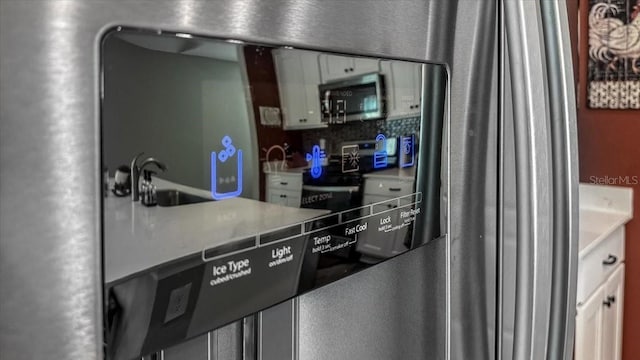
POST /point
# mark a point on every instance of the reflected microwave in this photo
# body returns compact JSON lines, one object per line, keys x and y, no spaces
{"x":357,"y":98}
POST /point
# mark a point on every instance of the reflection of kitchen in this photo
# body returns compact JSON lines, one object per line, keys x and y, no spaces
{"x":360,"y":142}
{"x":297,"y":165}
{"x":250,"y":122}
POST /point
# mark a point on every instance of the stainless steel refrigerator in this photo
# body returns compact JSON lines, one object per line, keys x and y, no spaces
{"x":499,"y":283}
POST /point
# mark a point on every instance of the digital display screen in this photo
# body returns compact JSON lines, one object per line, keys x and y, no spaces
{"x":228,"y":191}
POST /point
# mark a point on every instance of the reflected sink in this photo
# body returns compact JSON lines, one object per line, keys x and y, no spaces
{"x":176,"y":197}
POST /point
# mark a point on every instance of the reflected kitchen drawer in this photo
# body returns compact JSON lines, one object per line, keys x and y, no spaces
{"x":285,"y":181}
{"x":387,"y":187}
{"x":283,"y":197}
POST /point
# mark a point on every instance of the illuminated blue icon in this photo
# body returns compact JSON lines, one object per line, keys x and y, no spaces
{"x":225,"y":187}
{"x":407,"y":151}
{"x":380,"y":154}
{"x":315,"y":158}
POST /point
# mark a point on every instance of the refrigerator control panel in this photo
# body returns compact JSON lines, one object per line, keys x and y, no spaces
{"x":211,"y":214}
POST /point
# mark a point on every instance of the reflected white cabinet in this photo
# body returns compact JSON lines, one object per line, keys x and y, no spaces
{"x":284,"y":188}
{"x":298,"y":79}
{"x":381,"y":190}
{"x":336,"y":67}
{"x":403,"y":88}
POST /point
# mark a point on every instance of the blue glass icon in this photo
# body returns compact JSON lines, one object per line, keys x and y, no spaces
{"x":223,"y":186}
{"x":380,"y":154}
{"x":315,"y":158}
{"x":407,"y":151}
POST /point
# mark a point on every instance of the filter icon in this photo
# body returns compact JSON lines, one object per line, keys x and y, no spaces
{"x":407,"y":151}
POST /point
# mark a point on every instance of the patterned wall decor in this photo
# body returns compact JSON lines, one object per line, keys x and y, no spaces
{"x":614,"y":54}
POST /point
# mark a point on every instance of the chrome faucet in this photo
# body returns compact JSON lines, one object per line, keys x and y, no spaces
{"x":137,"y":170}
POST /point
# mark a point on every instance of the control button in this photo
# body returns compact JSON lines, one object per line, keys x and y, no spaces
{"x":350,"y":158}
{"x":407,"y":151}
{"x":315,"y":158}
{"x":178,"y":301}
{"x":380,"y":154}
{"x":224,"y":187}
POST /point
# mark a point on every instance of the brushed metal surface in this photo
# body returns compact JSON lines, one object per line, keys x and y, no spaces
{"x":564,"y":136}
{"x":392,"y":311}
{"x":474,"y":144}
{"x":534,"y":189}
{"x":49,"y":141}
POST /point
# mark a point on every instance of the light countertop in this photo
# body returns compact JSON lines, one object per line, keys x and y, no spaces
{"x":602,"y":210}
{"x":137,"y":237}
{"x":279,"y":167}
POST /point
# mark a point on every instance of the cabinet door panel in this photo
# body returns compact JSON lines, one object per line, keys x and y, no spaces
{"x":612,"y":323}
{"x":403,"y":88}
{"x":311,"y":72}
{"x":283,"y":197}
{"x":292,"y":87}
{"x":293,"y":201}
{"x":589,"y":327}
{"x":298,"y":79}
{"x":334,"y":67}
{"x":276,"y":198}
{"x":364,"y":66}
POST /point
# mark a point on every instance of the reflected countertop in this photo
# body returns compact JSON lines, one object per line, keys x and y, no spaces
{"x":277,"y":170}
{"x":137,"y":237}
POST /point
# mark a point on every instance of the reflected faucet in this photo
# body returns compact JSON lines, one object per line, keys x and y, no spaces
{"x":137,"y":170}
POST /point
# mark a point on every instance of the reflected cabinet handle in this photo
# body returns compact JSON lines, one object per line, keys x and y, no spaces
{"x":610,"y":300}
{"x":283,"y":183}
{"x":395,"y":189}
{"x":612,"y":259}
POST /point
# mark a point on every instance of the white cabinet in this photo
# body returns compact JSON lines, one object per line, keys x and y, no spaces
{"x":298,"y":79}
{"x":599,"y":321}
{"x":589,"y":328}
{"x":604,"y":211}
{"x":612,"y":318}
{"x":284,"y":189}
{"x":284,"y":198}
{"x":336,"y":67}
{"x":403,"y":81}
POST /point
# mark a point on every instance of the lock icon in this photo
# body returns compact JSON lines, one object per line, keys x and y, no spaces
{"x":226,"y":171}
{"x":380,"y":154}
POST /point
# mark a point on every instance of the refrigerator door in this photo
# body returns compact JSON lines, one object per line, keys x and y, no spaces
{"x":538,"y":224}
{"x":446,"y":300}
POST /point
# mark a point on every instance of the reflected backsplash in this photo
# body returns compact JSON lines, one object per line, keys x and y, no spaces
{"x":246,"y":174}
